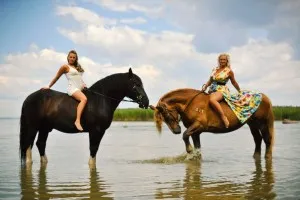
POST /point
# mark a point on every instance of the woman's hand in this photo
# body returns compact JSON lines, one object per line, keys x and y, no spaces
{"x":45,"y":88}
{"x":203,"y":88}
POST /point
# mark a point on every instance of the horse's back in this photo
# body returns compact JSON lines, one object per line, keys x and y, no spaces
{"x":265,"y":108}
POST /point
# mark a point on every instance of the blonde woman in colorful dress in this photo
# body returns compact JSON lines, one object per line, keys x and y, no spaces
{"x":243,"y":104}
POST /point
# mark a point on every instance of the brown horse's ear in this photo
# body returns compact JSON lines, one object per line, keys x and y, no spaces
{"x":152,"y":107}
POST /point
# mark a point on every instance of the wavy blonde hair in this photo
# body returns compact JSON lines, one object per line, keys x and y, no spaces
{"x":227,"y":57}
{"x":76,"y":64}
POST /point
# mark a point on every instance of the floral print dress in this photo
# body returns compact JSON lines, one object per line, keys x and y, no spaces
{"x":243,"y":104}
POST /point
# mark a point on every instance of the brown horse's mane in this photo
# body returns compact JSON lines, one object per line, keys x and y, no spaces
{"x":170,"y":95}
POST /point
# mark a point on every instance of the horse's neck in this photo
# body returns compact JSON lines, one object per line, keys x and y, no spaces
{"x":114,"y":89}
{"x":180,"y":101}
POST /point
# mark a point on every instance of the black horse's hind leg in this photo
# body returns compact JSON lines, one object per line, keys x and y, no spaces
{"x":257,"y":139}
{"x":41,"y":145}
{"x":29,"y":144}
{"x":95,"y":138}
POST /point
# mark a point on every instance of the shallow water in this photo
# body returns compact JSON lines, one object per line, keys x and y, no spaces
{"x":134,"y":162}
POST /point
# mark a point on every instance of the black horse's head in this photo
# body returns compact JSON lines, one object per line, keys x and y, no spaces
{"x":136,"y":91}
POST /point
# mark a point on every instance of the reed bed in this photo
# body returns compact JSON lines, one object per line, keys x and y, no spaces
{"x":137,"y":114}
{"x":286,"y":112}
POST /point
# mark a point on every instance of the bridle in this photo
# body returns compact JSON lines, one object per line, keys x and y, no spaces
{"x":138,"y":96}
{"x":167,"y":111}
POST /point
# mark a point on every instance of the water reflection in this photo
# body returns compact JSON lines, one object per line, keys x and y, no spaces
{"x":262,"y":184}
{"x":39,"y":187}
{"x":196,"y":186}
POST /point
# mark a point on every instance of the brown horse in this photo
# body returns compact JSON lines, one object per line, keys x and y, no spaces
{"x":192,"y":108}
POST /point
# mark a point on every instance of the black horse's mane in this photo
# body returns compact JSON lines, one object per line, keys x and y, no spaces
{"x":109,"y":81}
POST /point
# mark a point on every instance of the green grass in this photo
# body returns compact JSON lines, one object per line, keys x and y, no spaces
{"x":138,"y":114}
{"x":286,"y":112}
{"x":133,"y":114}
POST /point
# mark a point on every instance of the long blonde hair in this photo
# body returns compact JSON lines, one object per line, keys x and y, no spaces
{"x":227,"y":57}
{"x":76,"y":64}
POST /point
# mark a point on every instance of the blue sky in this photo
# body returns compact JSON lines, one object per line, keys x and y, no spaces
{"x":170,"y":44}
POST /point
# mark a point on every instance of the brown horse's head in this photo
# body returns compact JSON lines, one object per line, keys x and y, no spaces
{"x":163,"y":113}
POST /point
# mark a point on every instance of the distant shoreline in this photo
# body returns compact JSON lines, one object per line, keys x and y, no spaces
{"x":136,"y":114}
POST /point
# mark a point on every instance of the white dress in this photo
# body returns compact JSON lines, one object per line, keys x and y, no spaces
{"x":75,"y":81}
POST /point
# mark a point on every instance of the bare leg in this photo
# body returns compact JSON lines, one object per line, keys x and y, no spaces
{"x":78,"y":95}
{"x":214,"y":101}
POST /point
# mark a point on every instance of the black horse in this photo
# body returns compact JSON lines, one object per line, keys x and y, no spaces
{"x":45,"y":110}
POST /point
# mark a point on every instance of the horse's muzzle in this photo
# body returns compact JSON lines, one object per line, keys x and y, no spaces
{"x":144,"y":102}
{"x":177,"y":130}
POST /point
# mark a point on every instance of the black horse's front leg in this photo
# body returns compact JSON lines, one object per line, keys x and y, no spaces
{"x":95,"y":138}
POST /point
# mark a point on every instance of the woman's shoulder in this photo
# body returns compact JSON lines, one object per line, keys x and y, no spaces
{"x":65,"y":67}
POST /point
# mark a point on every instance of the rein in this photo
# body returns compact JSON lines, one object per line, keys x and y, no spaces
{"x":187,"y":105}
{"x":111,"y":97}
{"x":191,"y":100}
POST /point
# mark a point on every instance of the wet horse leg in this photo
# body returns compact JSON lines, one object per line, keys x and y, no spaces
{"x":267,"y":137}
{"x":29,"y":143}
{"x":195,"y":127}
{"x":95,"y":138}
{"x":257,"y":139}
{"x":41,"y":145}
{"x":197,"y":144}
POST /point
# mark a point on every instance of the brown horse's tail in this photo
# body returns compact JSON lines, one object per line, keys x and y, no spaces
{"x":270,"y":124}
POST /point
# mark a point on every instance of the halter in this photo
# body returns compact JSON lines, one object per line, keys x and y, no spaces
{"x":187,"y":105}
{"x":139,"y":97}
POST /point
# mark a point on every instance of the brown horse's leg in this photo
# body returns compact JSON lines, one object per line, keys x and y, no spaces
{"x":267,"y":135}
{"x":195,"y":127}
{"x":257,"y":139}
{"x":197,"y":144}
{"x":196,"y":140}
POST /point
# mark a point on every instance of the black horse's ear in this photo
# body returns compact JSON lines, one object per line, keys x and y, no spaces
{"x":130,"y":73}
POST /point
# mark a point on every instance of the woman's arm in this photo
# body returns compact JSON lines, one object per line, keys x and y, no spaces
{"x":233,"y":81}
{"x":63,"y":69}
{"x":207,"y":84}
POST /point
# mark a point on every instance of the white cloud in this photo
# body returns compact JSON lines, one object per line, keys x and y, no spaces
{"x":125,"y":41}
{"x":126,"y":6}
{"x":83,"y":15}
{"x":137,"y":20}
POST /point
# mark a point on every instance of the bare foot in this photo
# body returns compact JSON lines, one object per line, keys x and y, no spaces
{"x":225,"y":121}
{"x":78,"y":125}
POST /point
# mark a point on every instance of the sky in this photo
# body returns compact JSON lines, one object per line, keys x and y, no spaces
{"x":170,"y":44}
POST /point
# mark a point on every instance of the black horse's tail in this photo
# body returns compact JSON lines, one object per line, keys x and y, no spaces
{"x":23,"y":135}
